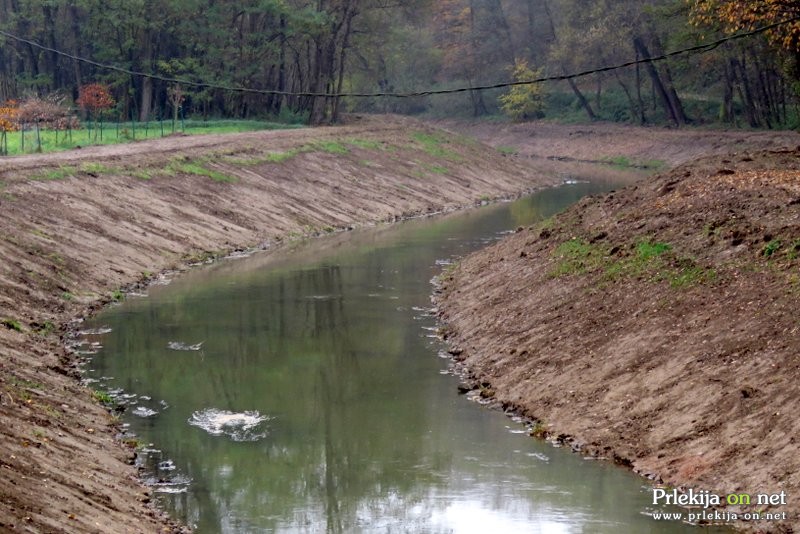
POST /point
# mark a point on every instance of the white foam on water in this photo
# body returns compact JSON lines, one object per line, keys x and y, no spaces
{"x":179,"y":345}
{"x":95,"y":331}
{"x":171,"y":489}
{"x":238,"y":426}
{"x":539,"y":456}
{"x":141,"y":411}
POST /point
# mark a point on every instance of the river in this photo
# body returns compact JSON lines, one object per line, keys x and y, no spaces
{"x":305,"y":390}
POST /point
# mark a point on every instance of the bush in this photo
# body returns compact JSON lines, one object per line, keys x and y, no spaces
{"x":524,"y":101}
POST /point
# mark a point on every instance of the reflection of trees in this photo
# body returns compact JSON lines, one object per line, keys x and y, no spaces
{"x":353,"y":439}
{"x":309,"y":347}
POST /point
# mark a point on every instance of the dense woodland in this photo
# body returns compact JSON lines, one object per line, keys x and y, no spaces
{"x":334,"y":46}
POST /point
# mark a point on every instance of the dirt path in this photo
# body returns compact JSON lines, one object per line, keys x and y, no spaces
{"x":76,"y":226}
{"x":656,"y":326}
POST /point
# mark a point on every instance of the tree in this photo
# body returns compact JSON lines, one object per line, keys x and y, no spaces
{"x":95,"y":98}
{"x":757,"y":71}
{"x":736,"y":15}
{"x":524,"y":101}
{"x":9,"y":113}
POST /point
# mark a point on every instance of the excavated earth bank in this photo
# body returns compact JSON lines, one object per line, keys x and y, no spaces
{"x":76,"y":226}
{"x":657,"y":326}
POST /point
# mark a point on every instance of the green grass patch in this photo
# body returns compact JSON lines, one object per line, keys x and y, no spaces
{"x":97,"y":168}
{"x":434,"y":145}
{"x":280,"y":157}
{"x":647,"y":250}
{"x":12,"y":324}
{"x":143,"y":174}
{"x":652,"y":261}
{"x":691,"y":275}
{"x":331,"y":147}
{"x":103,"y":397}
{"x":508,"y":150}
{"x":45,"y":328}
{"x":367,"y":144}
{"x":577,"y":256}
{"x":771,"y":248}
{"x":623,"y":162}
{"x":196,"y":168}
{"x":22,"y":383}
{"x":124,"y":132}
{"x":117,"y":295}
{"x":40,"y":233}
{"x":60,"y":173}
{"x":269,"y":157}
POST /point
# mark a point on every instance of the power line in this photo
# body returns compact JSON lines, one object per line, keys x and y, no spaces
{"x":702,"y":48}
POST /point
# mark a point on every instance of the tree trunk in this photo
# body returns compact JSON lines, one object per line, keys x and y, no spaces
{"x":745,"y":93}
{"x":639,"y":99}
{"x":672,"y":94}
{"x":147,"y":99}
{"x":658,"y":85}
{"x":581,"y":99}
{"x":278,"y":103}
{"x":498,"y":14}
{"x":629,"y":96}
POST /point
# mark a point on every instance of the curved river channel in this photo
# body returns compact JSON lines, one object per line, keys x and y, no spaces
{"x":304,"y":390}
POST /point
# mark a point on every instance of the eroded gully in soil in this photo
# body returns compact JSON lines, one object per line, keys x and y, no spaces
{"x":306,"y":390}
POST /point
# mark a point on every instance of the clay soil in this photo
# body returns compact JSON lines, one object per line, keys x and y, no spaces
{"x":77,"y":226}
{"x":656,"y":326}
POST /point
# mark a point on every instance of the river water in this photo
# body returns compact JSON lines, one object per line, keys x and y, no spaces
{"x":304,"y":390}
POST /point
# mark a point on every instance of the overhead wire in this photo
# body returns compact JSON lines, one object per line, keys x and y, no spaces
{"x":707,"y":47}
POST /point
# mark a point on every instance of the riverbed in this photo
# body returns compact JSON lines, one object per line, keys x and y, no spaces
{"x":306,"y":390}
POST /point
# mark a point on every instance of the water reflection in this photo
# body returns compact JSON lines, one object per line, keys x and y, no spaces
{"x":364,"y":432}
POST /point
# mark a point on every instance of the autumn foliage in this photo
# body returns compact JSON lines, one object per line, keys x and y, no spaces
{"x":737,"y":15}
{"x":49,"y":112}
{"x":95,"y":98}
{"x":9,"y":116}
{"x":523,"y":101}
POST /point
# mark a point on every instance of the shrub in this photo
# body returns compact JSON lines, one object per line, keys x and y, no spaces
{"x":524,"y":101}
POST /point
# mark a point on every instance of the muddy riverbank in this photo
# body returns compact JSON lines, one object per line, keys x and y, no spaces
{"x":77,"y":226}
{"x":656,"y":326}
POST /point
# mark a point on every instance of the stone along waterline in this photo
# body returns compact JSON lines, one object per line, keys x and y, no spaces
{"x":302,"y":391}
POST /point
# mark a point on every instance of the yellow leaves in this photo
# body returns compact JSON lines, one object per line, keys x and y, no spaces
{"x":738,"y":15}
{"x":9,"y":114}
{"x":523,"y":101}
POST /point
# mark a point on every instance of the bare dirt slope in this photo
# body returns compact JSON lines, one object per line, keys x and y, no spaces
{"x":657,"y":326}
{"x":644,"y":146}
{"x":76,"y":226}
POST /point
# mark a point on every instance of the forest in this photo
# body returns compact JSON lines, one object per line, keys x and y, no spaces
{"x":268,"y":58}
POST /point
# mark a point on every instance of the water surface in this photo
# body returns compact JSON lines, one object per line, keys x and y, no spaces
{"x":304,"y":390}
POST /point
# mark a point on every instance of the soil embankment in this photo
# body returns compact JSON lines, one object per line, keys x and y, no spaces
{"x":76,"y":226}
{"x":656,"y":326}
